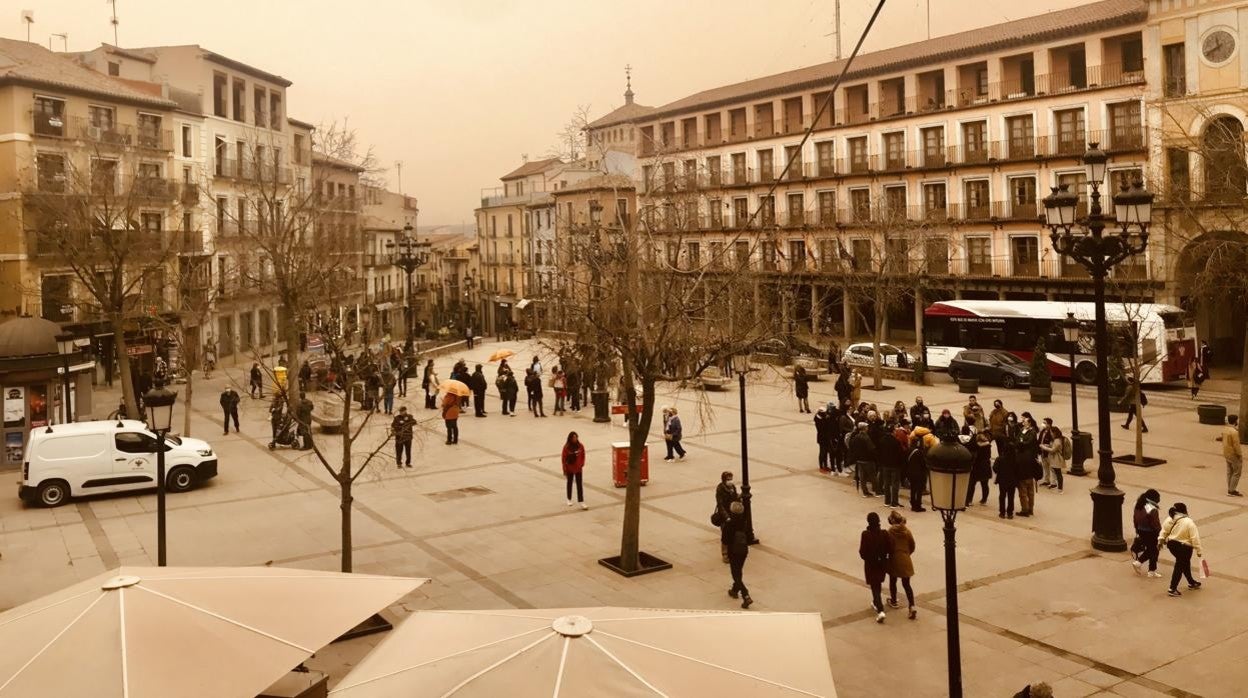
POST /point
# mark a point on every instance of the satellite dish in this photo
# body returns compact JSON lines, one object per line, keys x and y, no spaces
{"x":28,"y":16}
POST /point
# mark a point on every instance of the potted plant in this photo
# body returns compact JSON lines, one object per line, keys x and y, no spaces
{"x":1041,"y":382}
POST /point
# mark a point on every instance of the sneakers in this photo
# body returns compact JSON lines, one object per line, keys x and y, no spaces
{"x":1234,"y":493}
{"x":914,"y":613}
{"x":1194,"y":585}
{"x":879,"y":617}
{"x":1154,"y":574}
{"x":682,"y":456}
{"x":733,"y":593}
{"x":1139,"y":567}
{"x":667,"y":460}
{"x":1174,"y":592}
{"x":747,"y":602}
{"x":584,"y":506}
{"x":893,"y":603}
{"x":569,"y":502}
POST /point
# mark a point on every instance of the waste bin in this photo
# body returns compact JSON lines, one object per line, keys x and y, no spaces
{"x":279,"y":375}
{"x":619,"y":463}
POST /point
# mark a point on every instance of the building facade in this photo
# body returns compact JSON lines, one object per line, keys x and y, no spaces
{"x":385,"y":215}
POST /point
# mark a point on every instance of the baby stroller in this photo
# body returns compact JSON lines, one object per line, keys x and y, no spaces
{"x":287,"y":434}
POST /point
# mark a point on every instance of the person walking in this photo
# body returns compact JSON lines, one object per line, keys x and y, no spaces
{"x":450,"y":414}
{"x":478,"y":384}
{"x":876,"y":549}
{"x":834,"y":359}
{"x":1233,"y":452}
{"x":1181,"y":538}
{"x":916,"y":469}
{"x":468,"y":336}
{"x":981,"y":466}
{"x":401,"y":427}
{"x":559,"y":382}
{"x":388,"y":384}
{"x":672,"y":433}
{"x":1146,"y":519}
{"x":900,"y":566}
{"x":738,"y":551}
{"x":725,"y":495}
{"x":429,"y":383}
{"x":1006,"y":469}
{"x":825,"y":426}
{"x":573,"y":463}
{"x":573,"y":382}
{"x":406,"y":363}
{"x":891,"y":454}
{"x":801,"y":386}
{"x":1053,"y":449}
{"x":229,"y":407}
{"x":210,"y":360}
{"x":533,"y":384}
{"x":256,"y":381}
{"x":863,"y":456}
{"x":1195,"y":376}
{"x":1134,"y":390}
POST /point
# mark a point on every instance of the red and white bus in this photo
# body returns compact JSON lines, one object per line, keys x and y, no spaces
{"x":1165,"y":337}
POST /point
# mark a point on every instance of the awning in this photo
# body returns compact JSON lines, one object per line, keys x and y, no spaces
{"x":523,"y":303}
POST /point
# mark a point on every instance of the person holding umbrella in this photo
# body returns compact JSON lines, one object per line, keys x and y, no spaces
{"x":450,"y":414}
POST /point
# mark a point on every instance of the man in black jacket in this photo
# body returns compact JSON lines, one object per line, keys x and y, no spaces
{"x":862,"y":455}
{"x":916,"y":472}
{"x":825,"y":427}
{"x":478,"y":385}
{"x":229,"y":407}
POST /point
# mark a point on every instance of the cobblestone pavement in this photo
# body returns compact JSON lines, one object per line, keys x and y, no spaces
{"x":487,"y":521}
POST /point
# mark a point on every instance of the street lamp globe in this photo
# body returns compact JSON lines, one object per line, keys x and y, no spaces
{"x":949,"y":465}
{"x":159,"y":403}
{"x":1059,"y":207}
{"x":1094,"y":162}
{"x":741,"y":363}
{"x":65,"y":344}
{"x":1070,"y":329}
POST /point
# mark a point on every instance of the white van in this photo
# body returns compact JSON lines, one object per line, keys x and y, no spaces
{"x":84,"y":458}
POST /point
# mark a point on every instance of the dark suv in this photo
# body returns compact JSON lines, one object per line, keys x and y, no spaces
{"x":990,"y":366}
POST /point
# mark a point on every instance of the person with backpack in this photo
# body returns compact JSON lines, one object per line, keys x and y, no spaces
{"x":1147,"y":523}
{"x":1181,"y":538}
{"x":1133,"y":390}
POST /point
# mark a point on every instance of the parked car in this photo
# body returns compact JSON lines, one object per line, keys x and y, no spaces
{"x":863,"y":354}
{"x":790,"y":346}
{"x":85,"y":458}
{"x":990,"y":366}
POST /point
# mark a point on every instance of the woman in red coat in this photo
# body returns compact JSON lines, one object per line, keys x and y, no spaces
{"x":875,"y":549}
{"x":573,"y":463}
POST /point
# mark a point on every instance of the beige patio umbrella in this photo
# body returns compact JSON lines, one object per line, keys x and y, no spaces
{"x":147,"y":632}
{"x":601,"y":652}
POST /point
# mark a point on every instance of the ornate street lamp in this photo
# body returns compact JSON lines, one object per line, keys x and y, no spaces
{"x":407,"y":254}
{"x":1085,"y":241}
{"x":949,"y":470}
{"x":159,"y":404}
{"x":741,"y":366}
{"x":65,"y":347}
{"x":469,"y":285}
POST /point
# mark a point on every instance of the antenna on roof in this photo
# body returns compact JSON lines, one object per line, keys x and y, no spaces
{"x":64,"y":41}
{"x":114,"y":21}
{"x":28,"y":16}
{"x":837,"y":30}
{"x":398,"y":166}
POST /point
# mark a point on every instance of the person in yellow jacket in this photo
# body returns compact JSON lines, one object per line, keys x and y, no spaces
{"x":1233,"y":452}
{"x":1181,"y":538}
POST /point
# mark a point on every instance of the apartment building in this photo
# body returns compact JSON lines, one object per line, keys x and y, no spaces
{"x":460,"y":301}
{"x":615,"y":134}
{"x":72,"y":136}
{"x":506,"y":242}
{"x":384,"y":216}
{"x":956,"y":139}
{"x":244,"y":141}
{"x":1197,"y":96}
{"x":590,"y":207}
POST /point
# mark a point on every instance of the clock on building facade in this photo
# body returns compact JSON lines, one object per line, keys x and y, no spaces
{"x":1218,"y":46}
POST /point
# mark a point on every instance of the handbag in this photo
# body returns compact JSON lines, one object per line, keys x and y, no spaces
{"x":717,"y":518}
{"x":1204,"y":568}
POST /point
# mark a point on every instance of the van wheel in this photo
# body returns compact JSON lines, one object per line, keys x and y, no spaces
{"x":180,"y":479}
{"x":53,"y":493}
{"x":1085,"y":373}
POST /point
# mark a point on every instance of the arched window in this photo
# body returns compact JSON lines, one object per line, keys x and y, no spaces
{"x":1226,"y":174}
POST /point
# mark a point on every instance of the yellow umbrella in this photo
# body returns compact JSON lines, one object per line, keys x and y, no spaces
{"x":144,"y":632}
{"x":601,"y":652}
{"x":502,"y":354}
{"x":455,"y":388}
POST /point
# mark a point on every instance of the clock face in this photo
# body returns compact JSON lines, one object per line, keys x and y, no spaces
{"x":1218,"y":46}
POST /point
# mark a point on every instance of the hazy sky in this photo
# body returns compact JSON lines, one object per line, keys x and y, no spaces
{"x":459,"y":89}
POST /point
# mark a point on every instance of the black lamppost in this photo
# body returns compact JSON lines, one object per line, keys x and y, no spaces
{"x":465,"y":306}
{"x":159,"y":404}
{"x":65,"y":347}
{"x":1085,"y":242}
{"x":949,"y":468}
{"x":408,"y":254}
{"x":1070,"y":332}
{"x":741,"y":365}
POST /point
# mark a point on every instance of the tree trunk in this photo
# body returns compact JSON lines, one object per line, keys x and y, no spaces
{"x":186,"y":401}
{"x":1243,"y":391}
{"x":630,"y":536}
{"x":118,"y":325}
{"x":876,"y":340}
{"x":294,"y":391}
{"x":1139,"y":421}
{"x":344,"y":479}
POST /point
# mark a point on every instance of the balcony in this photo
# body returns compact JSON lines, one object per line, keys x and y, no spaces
{"x":798,"y":171}
{"x":154,"y":139}
{"x":225,"y":168}
{"x":43,"y":124}
{"x":979,"y":211}
{"x":348,"y":204}
{"x":799,"y":219}
{"x":187,"y":242}
{"x":106,"y":134}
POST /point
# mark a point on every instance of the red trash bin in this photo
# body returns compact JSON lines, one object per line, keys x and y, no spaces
{"x":619,"y":463}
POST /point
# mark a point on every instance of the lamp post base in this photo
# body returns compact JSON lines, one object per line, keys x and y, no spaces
{"x":1107,"y":519}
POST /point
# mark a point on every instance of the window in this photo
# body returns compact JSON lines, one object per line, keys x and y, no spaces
{"x":738,"y":168}
{"x":767,"y":210}
{"x":714,"y":170}
{"x":218,"y":95}
{"x":976,"y":199}
{"x":673,"y":254}
{"x":50,"y":171}
{"x":827,"y":207}
{"x":1070,"y":133}
{"x":151,"y":222}
{"x":114,"y":68}
{"x":935,"y":206}
{"x":1076,"y":183}
{"x":1178,"y":173}
{"x":101,"y":117}
{"x":275,"y":111}
{"x":1124,"y":125}
{"x":793,"y":161}
{"x":1133,"y":55}
{"x":149,"y":131}
{"x":828,"y":256}
{"x":860,"y":205}
{"x":1222,"y":146}
{"x":103,"y":177}
{"x":765,"y":173}
{"x":979,"y":255}
{"x":1022,"y":136}
{"x":936,"y":255}
{"x":769,"y":250}
{"x":1025,"y":255}
{"x":1023,"y":197}
{"x":895,"y":203}
{"x":1118,"y":179}
{"x":858,"y":160}
{"x":934,"y":146}
{"x":715,"y":213}
{"x":241,"y":218}
{"x":239,"y":97}
{"x":56,"y":298}
{"x":222,"y":207}
{"x":693,"y":255}
{"x":740,"y":212}
{"x":825,"y":152}
{"x":621,"y":213}
{"x":717,"y":254}
{"x":797,"y":255}
{"x":862,"y":256}
{"x":1174,"y":67}
{"x":741,"y":253}
{"x":509,"y":225}
{"x":134,"y":442}
{"x":797,"y":209}
{"x":299,"y":146}
{"x":894,"y":150}
{"x":259,"y":103}
{"x":187,"y":150}
{"x":975,"y":141}
{"x":49,"y":116}
{"x":690,"y":175}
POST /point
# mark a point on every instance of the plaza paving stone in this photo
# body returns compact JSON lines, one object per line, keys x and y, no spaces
{"x":487,"y":521}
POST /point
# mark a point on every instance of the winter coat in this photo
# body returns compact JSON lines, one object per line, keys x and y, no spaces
{"x":916,"y":411}
{"x":256,"y":377}
{"x":801,"y":384}
{"x":861,"y":449}
{"x":450,"y":407}
{"x":825,"y":428}
{"x":1231,"y":448}
{"x":899,"y":563}
{"x":1028,"y":456}
{"x":734,"y":535}
{"x":1147,"y":521}
{"x":402,"y":427}
{"x":725,"y":495}
{"x":573,"y":459}
{"x":890,"y":452}
{"x":229,"y":400}
{"x":476,"y":382}
{"x":981,"y":465}
{"x":843,"y":388}
{"x":996,"y":422}
{"x":533,"y":383}
{"x":507,"y":386}
{"x":916,"y":465}
{"x":1181,"y":529}
{"x":875,"y":548}
{"x":1006,"y":469}
{"x":672,"y":427}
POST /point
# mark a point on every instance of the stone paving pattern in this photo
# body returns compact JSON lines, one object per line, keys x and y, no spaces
{"x":1037,"y":603}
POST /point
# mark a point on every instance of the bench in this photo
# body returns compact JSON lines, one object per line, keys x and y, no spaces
{"x":815,"y":368}
{"x":327,"y":414}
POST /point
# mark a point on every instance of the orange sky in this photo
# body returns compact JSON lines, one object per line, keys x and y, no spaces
{"x":460,"y":89}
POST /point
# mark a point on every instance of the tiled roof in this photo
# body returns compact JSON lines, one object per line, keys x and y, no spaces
{"x":530,"y":168}
{"x":31,"y":64}
{"x":599,"y":183}
{"x":624,"y":114}
{"x":1053,"y":25}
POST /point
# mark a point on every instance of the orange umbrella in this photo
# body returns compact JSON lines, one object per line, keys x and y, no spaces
{"x":502,"y":354}
{"x":455,"y":388}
